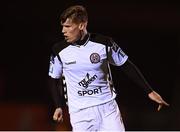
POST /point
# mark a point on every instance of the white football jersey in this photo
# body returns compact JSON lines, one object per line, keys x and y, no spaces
{"x":86,"y":70}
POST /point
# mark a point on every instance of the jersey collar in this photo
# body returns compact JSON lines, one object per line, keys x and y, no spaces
{"x":84,"y":41}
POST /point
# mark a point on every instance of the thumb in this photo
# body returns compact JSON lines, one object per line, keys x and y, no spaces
{"x":159,"y":107}
{"x":55,"y":116}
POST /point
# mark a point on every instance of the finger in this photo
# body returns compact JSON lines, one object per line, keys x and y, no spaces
{"x":55,"y":118}
{"x":159,"y":107}
{"x":60,"y":119}
{"x":165,"y":103}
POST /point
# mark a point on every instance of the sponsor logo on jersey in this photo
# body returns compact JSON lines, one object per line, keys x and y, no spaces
{"x":122,"y":53}
{"x":85,"y":83}
{"x":52,"y":59}
{"x":69,"y":63}
{"x":116,"y":48}
{"x":94,"y":58}
{"x":87,"y":80}
{"x":90,"y":92}
{"x":51,"y":64}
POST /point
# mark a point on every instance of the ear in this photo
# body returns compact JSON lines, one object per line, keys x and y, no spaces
{"x":82,"y":26}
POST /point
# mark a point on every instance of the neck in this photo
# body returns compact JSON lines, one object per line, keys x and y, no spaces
{"x":83,"y":34}
{"x":83,"y":38}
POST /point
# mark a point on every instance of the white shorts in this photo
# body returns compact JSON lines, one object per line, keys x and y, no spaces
{"x":104,"y":117}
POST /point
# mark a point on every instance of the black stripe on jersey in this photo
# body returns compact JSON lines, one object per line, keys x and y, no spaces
{"x":107,"y":41}
{"x":64,"y":89}
{"x":98,"y":38}
{"x":58,"y":47}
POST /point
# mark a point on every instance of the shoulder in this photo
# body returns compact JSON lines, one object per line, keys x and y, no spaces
{"x":102,"y":39}
{"x":58,"y":47}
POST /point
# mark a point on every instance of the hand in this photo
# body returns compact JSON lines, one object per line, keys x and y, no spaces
{"x":58,"y":115}
{"x":158,"y":99}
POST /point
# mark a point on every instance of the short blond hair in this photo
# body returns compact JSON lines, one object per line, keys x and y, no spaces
{"x":76,"y":13}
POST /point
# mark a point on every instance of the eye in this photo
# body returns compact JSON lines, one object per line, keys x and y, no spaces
{"x":67,"y":26}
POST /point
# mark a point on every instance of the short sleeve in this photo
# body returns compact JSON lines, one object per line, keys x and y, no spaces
{"x":55,"y":67}
{"x":116,"y":56}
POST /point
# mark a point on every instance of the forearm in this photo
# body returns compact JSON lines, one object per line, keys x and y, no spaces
{"x":56,"y":90}
{"x":136,"y":76}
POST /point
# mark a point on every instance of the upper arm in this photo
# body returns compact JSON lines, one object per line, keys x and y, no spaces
{"x":55,"y":67}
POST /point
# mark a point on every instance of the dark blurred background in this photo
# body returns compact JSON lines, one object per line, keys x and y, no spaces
{"x":147,"y":31}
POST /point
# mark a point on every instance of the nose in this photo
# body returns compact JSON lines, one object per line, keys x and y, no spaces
{"x":63,"y":30}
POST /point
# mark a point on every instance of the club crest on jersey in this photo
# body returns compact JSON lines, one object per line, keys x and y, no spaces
{"x":94,"y":58}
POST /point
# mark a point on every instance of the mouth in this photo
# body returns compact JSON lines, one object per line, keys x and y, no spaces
{"x":65,"y":37}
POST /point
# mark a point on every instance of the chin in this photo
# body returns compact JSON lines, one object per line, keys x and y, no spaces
{"x":67,"y":40}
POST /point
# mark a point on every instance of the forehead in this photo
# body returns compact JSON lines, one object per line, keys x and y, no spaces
{"x":69,"y":22}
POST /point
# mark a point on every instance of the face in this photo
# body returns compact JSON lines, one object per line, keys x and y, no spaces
{"x":71,"y":30}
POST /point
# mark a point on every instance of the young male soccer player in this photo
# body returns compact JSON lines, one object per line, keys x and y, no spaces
{"x":83,"y":59}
